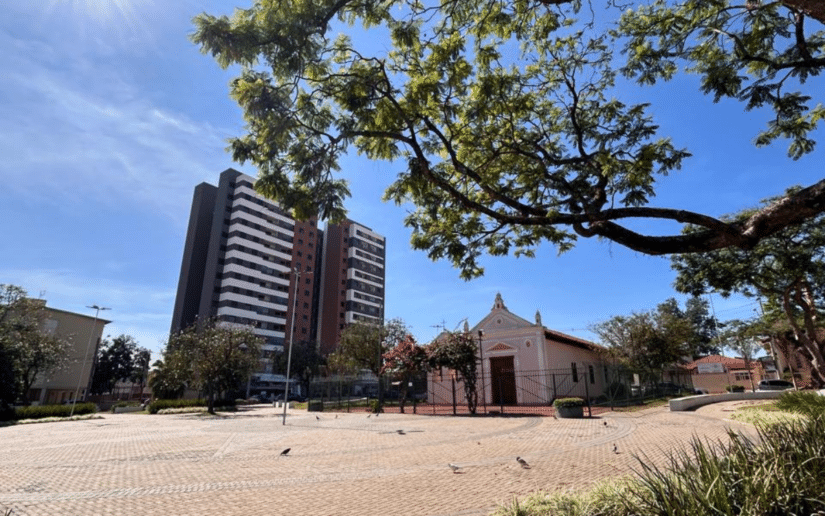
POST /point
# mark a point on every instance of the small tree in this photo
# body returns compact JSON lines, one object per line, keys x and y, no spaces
{"x":115,"y":362}
{"x":457,"y":351}
{"x":215,"y":358}
{"x":741,"y":337}
{"x":140,"y":367}
{"x":403,"y":362}
{"x":649,"y":341}
{"x":167,"y":381}
{"x":363,"y":345}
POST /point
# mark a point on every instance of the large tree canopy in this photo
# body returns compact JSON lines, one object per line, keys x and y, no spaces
{"x":502,"y":112}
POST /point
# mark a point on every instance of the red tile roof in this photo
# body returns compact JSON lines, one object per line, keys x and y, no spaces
{"x":730,"y":363}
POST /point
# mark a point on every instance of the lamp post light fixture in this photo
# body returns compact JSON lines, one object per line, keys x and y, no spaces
{"x":291,"y":338}
{"x":86,"y":356}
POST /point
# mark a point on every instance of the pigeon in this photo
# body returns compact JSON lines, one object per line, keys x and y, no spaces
{"x":401,"y":432}
{"x":523,"y":463}
{"x":285,"y":452}
{"x":615,"y":449}
{"x":369,"y":415}
{"x":454,"y":467}
{"x":336,"y":416}
{"x":605,"y":423}
{"x":317,"y":418}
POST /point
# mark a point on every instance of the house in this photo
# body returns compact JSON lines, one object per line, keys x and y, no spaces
{"x":714,"y":373}
{"x":523,"y":363}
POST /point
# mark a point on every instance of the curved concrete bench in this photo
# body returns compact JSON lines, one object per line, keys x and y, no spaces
{"x":691,"y":402}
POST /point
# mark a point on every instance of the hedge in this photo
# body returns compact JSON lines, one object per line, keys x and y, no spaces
{"x":41,"y":411}
{"x":157,"y":405}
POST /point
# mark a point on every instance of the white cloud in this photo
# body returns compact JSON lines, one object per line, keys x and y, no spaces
{"x":68,"y":140}
{"x":137,"y":309}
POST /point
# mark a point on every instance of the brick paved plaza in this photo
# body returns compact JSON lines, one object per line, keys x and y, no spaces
{"x":136,"y":464}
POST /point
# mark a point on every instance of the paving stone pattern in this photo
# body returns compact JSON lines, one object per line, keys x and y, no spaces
{"x":135,"y":464}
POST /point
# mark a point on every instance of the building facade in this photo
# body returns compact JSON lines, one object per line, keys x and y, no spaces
{"x":353,"y":280}
{"x":523,"y":363}
{"x":82,"y":333}
{"x":246,"y":261}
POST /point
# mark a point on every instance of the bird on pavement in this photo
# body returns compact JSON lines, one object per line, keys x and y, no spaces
{"x":400,"y":432}
{"x":605,"y":423}
{"x":454,"y":467}
{"x":317,"y":418}
{"x":369,"y":416}
{"x":615,"y":448}
{"x":285,"y":452}
{"x":523,"y":463}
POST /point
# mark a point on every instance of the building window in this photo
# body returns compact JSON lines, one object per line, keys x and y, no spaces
{"x":575,"y":372}
{"x":741,"y":377}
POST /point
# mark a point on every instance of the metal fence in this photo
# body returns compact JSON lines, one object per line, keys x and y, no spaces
{"x":603,"y":386}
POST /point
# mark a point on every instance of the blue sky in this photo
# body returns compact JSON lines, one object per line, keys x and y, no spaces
{"x":109,"y":118}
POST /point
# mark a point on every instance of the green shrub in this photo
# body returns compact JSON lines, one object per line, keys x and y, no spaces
{"x":569,"y":402}
{"x":807,"y":403}
{"x":735,"y":388}
{"x":374,"y":406}
{"x":41,"y":411}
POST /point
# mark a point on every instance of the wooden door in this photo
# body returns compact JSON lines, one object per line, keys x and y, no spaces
{"x":503,"y":376}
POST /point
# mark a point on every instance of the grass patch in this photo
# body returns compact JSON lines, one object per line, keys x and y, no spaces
{"x":763,"y":414}
{"x":643,"y":405}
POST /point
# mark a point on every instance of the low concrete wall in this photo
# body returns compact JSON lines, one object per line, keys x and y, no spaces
{"x":692,"y":402}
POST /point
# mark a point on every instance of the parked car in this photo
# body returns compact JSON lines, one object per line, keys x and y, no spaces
{"x":774,"y":385}
{"x":669,"y":388}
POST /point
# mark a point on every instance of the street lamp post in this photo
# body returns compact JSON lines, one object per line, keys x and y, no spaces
{"x":86,"y":356}
{"x":379,"y":393}
{"x":481,"y":355}
{"x":291,"y":338}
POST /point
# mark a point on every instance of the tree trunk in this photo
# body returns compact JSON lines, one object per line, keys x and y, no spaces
{"x":210,"y":402}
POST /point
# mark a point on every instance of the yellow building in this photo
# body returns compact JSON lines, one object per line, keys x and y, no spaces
{"x":83,"y":334}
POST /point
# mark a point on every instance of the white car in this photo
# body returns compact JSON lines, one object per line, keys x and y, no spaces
{"x":774,"y":385}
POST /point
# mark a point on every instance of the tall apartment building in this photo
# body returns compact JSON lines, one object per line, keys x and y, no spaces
{"x":239,"y":263}
{"x":352,"y":284}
